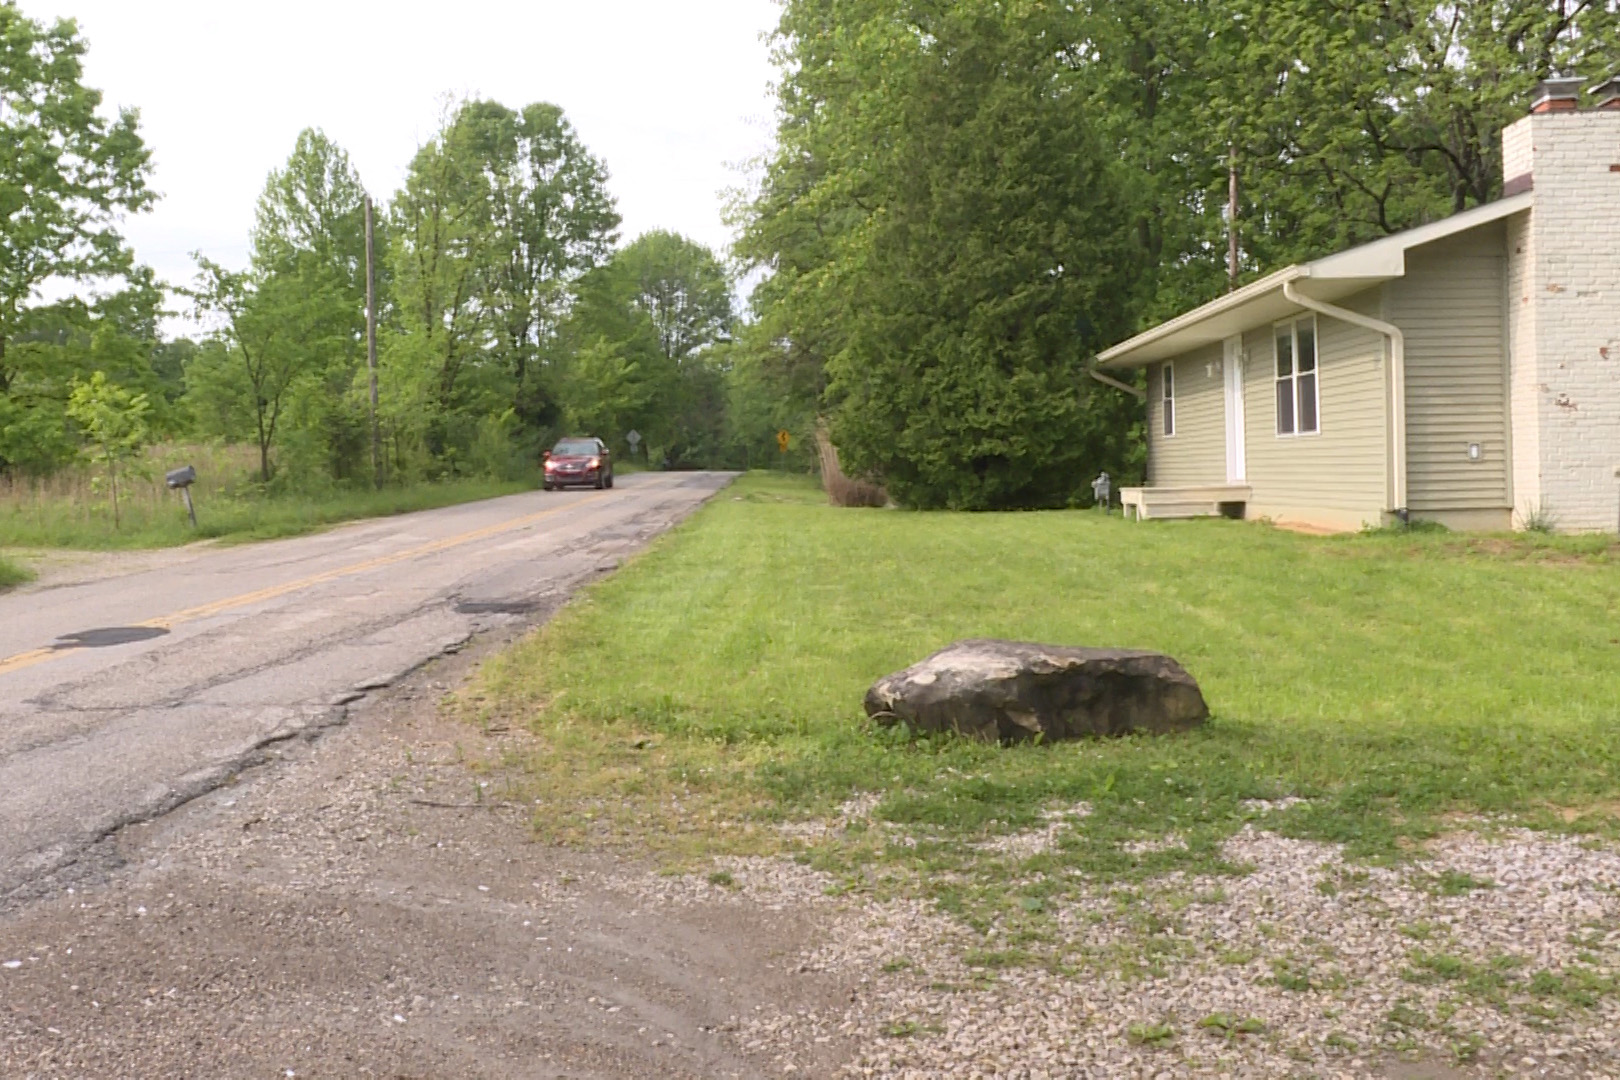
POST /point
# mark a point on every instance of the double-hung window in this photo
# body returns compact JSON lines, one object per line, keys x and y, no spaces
{"x":1167,"y":396}
{"x":1298,"y":396}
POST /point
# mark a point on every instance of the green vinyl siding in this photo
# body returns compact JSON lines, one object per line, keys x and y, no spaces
{"x":1451,"y":307}
{"x":1344,"y":467}
{"x":1196,"y":453}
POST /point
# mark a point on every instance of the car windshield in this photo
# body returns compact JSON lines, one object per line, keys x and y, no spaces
{"x":574,"y":448}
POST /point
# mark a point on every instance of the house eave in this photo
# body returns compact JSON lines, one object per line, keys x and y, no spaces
{"x":1332,"y":278}
{"x":1218,"y":319}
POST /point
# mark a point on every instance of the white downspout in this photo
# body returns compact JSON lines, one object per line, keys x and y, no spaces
{"x":1397,"y":382}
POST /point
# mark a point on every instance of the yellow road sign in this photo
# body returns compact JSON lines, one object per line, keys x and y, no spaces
{"x":784,"y":440}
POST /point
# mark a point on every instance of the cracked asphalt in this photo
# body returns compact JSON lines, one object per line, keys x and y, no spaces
{"x":367,"y":898}
{"x":248,"y":647}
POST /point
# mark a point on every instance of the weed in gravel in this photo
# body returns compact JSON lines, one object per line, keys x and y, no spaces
{"x":1574,"y":985}
{"x":1342,"y":878}
{"x":1151,"y":1034}
{"x":1409,"y":1014}
{"x":1488,"y":982}
{"x":1466,"y":1050}
{"x":1230,"y":1027}
{"x":1338,"y":1040}
{"x":1293,"y":973}
{"x":1452,"y":883}
{"x":997,"y":958}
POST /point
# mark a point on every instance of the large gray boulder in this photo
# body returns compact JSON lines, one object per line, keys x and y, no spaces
{"x":1010,"y":691}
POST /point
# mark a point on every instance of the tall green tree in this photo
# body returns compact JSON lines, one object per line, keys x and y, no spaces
{"x":551,"y":220}
{"x":1144,"y":69}
{"x":67,"y":174}
{"x":115,"y":421}
{"x":648,"y":324}
{"x":1355,"y":119}
{"x":953,"y":212}
{"x":502,"y":213}
{"x":683,"y":287}
{"x":611,"y":371}
{"x":441,"y":249}
{"x":64,"y":342}
{"x":309,"y":235}
{"x":665,"y":301}
{"x":312,"y":209}
{"x":966,"y":199}
{"x":272,"y":340}
{"x":1349,"y":119}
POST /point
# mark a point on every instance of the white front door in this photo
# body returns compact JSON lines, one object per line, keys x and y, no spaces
{"x":1232,"y":365}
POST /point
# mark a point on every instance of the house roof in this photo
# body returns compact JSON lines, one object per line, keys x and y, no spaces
{"x":1331,"y":278}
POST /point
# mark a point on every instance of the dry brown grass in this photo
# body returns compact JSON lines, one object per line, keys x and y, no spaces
{"x":84,"y":486}
{"x":72,"y":504}
{"x":843,"y":490}
{"x":73,"y":508}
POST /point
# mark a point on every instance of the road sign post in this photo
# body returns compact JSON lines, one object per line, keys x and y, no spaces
{"x":633,"y":437}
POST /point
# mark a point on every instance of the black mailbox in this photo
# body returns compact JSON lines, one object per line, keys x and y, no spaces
{"x":182,"y":478}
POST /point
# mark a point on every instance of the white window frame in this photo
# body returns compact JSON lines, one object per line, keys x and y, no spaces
{"x":1290,"y":328}
{"x":1167,"y":398}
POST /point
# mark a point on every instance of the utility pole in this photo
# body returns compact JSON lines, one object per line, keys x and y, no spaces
{"x":371,"y":348}
{"x":1232,"y":269}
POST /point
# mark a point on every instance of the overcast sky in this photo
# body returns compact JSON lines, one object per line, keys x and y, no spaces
{"x":672,"y":96}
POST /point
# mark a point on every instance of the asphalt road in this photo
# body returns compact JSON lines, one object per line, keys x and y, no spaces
{"x":226,"y":651}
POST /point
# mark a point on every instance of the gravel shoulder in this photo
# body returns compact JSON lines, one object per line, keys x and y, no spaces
{"x":371,"y":902}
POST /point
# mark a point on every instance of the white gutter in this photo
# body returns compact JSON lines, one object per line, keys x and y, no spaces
{"x":1396,"y":379}
{"x":1135,"y":391}
{"x":1198,"y":315}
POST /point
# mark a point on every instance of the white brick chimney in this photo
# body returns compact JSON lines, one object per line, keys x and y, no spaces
{"x":1564,"y":311}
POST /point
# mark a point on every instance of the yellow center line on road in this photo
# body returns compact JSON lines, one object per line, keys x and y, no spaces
{"x":259,"y":596}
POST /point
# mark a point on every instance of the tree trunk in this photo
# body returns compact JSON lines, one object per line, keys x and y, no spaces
{"x":264,"y":450}
{"x":112,"y":473}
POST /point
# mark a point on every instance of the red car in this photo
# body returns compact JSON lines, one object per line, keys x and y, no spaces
{"x":578,"y":462}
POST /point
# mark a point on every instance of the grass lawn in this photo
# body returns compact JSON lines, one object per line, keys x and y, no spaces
{"x":713,"y":688}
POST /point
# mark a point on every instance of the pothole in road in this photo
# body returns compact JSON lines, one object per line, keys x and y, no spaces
{"x":108,"y":636}
{"x":497,"y":607}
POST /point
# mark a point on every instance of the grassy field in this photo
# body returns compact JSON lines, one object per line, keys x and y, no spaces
{"x":72,"y":510}
{"x":12,"y":574}
{"x":714,"y":686}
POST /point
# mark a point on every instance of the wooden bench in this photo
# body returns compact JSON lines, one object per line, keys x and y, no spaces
{"x":1214,"y":500}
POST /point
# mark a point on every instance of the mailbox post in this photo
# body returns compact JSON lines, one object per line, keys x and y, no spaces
{"x":1102,"y":489}
{"x":181,"y":480}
